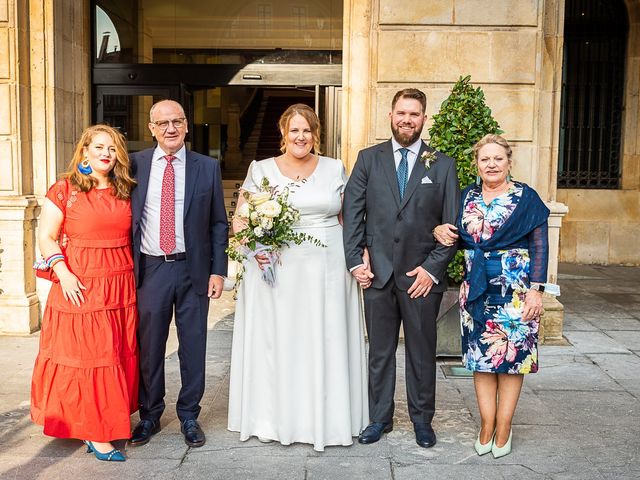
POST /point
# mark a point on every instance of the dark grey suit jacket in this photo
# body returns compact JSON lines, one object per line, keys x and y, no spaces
{"x":205,"y":218}
{"x":398,"y":233}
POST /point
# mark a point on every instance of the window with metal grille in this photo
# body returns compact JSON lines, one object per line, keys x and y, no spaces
{"x":595,"y":40}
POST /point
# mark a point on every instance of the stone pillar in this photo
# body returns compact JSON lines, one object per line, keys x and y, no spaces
{"x":356,"y":78}
{"x":44,"y":86}
{"x":18,"y":205}
{"x":631,"y":115}
{"x":553,"y":318}
{"x":19,"y":303}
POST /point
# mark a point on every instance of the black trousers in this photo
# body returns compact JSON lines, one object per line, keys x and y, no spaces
{"x":167,"y":288}
{"x":385,"y":309}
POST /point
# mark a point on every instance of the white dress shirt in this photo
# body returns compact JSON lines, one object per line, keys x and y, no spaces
{"x":150,"y":221}
{"x":412,"y":154}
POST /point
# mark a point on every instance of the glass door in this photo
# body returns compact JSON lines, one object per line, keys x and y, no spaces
{"x":127,"y":109}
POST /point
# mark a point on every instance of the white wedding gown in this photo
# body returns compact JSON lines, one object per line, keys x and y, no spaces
{"x":298,"y":369}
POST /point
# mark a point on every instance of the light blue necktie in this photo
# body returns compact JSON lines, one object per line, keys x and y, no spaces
{"x":402,"y":172}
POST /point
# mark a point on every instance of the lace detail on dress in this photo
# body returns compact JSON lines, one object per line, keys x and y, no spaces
{"x":72,"y":199}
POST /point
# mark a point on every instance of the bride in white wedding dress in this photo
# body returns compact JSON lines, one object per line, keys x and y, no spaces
{"x":298,"y":368}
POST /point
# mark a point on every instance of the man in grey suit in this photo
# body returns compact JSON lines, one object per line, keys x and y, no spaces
{"x":398,"y":192}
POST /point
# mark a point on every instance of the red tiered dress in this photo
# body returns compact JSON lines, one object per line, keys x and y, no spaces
{"x":85,"y":379}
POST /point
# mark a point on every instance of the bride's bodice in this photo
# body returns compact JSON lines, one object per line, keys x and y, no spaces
{"x":318,"y":197}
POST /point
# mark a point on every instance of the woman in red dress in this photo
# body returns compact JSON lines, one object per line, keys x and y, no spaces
{"x":85,"y":379}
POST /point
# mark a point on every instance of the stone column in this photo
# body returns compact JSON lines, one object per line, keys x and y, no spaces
{"x":631,"y":116}
{"x":553,"y":318}
{"x":356,"y":78}
{"x":18,"y":205}
{"x":44,"y":85}
{"x":546,"y":134}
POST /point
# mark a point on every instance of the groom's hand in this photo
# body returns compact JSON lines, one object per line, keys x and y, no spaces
{"x":363,"y":275}
{"x":422,"y":285}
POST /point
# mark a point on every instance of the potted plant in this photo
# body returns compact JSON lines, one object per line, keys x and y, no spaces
{"x":463,"y":119}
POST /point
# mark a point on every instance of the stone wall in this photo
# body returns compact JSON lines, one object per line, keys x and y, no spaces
{"x":602,"y":227}
{"x":511,"y":48}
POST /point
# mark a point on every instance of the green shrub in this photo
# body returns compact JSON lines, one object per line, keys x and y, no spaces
{"x":463,"y":119}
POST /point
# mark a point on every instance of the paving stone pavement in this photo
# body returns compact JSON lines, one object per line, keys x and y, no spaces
{"x":578,"y":418}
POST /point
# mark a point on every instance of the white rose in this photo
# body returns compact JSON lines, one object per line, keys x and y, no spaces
{"x":243,"y":211}
{"x":259,"y":198}
{"x":267,"y":223}
{"x":254,"y":217}
{"x":258,"y":232}
{"x":269,"y":209}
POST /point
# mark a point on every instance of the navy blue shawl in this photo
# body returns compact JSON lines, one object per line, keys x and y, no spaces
{"x":529,"y":214}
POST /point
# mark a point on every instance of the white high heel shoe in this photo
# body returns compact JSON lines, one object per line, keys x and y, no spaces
{"x":504,"y":450}
{"x":484,"y":448}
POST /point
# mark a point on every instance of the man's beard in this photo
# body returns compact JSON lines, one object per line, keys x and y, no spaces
{"x":404,"y":139}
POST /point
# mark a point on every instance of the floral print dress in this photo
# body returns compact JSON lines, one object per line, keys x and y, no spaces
{"x":500,"y":341}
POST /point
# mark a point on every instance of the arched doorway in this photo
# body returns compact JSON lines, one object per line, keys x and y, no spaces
{"x":595,"y":44}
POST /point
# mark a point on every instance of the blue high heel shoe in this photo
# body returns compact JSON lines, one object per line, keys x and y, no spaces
{"x":112,"y":456}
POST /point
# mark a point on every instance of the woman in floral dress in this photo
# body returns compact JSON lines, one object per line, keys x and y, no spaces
{"x":503,"y":230}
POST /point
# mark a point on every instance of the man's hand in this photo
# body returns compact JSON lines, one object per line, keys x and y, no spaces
{"x":422,"y":285}
{"x":363,"y":275}
{"x":446,"y":234}
{"x":216,"y":283}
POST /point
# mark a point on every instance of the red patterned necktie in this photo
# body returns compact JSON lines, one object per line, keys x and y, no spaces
{"x":168,"y":208}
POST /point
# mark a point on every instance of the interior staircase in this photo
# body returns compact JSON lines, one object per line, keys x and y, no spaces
{"x":231,"y":188}
{"x":264,"y":140}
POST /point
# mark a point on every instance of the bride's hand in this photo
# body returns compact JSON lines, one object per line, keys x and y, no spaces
{"x":445,"y":234}
{"x":238,"y":224}
{"x":262,"y":260}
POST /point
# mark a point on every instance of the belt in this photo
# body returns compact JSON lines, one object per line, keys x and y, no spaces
{"x":173,"y":257}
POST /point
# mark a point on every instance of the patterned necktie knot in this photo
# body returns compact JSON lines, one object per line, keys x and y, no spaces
{"x":169,"y":158}
{"x":403,"y":171}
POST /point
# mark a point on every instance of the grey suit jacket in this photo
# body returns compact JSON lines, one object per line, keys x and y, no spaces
{"x":398,"y":233}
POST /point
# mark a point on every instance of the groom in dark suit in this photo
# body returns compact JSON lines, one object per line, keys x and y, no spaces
{"x":179,"y":239}
{"x":398,"y":192}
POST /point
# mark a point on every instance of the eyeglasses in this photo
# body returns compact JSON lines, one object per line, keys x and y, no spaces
{"x":176,"y":122}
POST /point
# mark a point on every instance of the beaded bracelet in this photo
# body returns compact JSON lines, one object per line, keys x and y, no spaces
{"x":53,"y":259}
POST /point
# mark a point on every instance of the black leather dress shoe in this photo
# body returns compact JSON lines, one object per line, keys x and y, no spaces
{"x":425,"y":436}
{"x":143,"y":432}
{"x":374,"y":431}
{"x":193,"y":434}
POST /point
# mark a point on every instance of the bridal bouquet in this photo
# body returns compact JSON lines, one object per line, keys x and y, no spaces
{"x":269,"y":219}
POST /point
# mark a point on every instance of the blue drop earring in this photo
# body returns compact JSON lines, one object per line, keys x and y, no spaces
{"x":84,"y":167}
{"x":508,"y":178}
{"x":478,"y":180}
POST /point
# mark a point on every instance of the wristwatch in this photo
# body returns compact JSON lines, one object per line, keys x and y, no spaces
{"x":537,"y":286}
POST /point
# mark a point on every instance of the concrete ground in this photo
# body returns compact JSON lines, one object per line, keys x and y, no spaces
{"x":578,"y":418}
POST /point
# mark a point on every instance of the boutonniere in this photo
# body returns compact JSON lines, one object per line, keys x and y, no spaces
{"x":428,"y":158}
